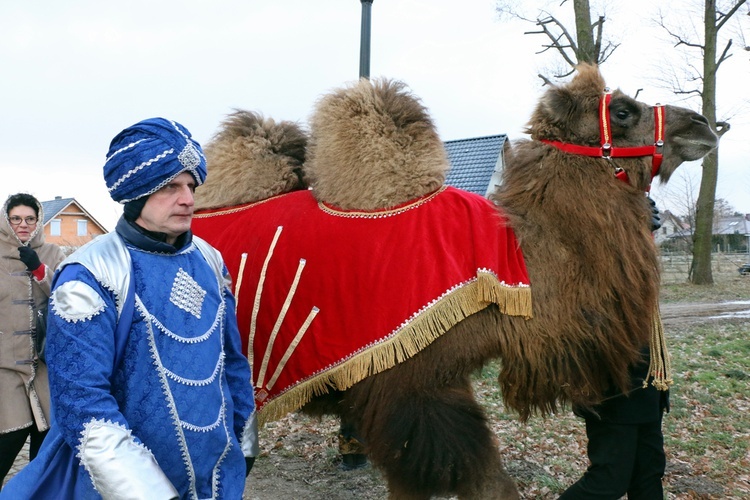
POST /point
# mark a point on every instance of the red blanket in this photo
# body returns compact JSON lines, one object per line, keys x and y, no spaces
{"x":327,"y":297}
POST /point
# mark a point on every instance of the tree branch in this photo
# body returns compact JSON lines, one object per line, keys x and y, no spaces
{"x":722,"y":128}
{"x":678,"y":38}
{"x":723,"y":18}
{"x":688,"y":92}
{"x":557,"y":44}
{"x":545,"y":80}
{"x":608,"y":50}
{"x":723,"y":57}
{"x":599,"y":25}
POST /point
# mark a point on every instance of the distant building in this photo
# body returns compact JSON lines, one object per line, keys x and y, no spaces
{"x":736,"y":225}
{"x":730,"y":234}
{"x":674,"y":232}
{"x":68,"y":224}
{"x":477,"y":163}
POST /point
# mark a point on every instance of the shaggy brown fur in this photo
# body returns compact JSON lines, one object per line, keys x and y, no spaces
{"x":585,"y":236}
{"x":261,"y":157}
{"x":373,"y":145}
{"x":590,"y":256}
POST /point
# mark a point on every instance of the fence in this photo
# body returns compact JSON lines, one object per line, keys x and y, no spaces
{"x":676,"y":265}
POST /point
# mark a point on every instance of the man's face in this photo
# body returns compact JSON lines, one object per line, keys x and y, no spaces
{"x":170,"y":209}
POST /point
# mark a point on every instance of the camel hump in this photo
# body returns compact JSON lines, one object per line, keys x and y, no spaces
{"x":373,"y":145}
{"x":252,"y":158}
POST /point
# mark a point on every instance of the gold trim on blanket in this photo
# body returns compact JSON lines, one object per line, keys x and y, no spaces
{"x":295,"y":342}
{"x":243,"y":261}
{"x":258,"y":292}
{"x":279,"y":321}
{"x":406,"y":341}
{"x":210,"y":212}
{"x":379,"y":214}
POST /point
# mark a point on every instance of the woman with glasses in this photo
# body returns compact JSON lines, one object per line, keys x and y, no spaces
{"x":26,"y":267}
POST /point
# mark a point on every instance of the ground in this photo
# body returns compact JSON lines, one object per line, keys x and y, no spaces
{"x":299,"y":457}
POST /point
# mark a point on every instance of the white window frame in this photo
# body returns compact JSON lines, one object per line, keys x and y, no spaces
{"x":55,"y":227}
{"x":85,"y":227}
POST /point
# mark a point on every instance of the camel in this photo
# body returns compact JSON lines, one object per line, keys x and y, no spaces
{"x":561,"y":281}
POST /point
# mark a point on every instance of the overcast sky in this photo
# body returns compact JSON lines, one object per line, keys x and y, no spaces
{"x":75,"y":73}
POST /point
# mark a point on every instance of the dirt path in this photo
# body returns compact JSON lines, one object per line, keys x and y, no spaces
{"x":684,"y":312}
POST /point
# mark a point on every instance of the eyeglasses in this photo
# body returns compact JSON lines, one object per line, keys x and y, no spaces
{"x":16,"y":220}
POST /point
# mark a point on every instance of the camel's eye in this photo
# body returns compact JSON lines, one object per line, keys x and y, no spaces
{"x":622,"y":114}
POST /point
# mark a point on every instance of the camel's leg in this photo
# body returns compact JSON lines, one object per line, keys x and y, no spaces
{"x":351,"y":445}
{"x":435,"y":442}
{"x":496,"y":485}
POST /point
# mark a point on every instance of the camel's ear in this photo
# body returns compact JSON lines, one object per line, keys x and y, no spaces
{"x":559,"y":105}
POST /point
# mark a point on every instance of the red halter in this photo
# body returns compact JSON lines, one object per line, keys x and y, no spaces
{"x":607,"y":150}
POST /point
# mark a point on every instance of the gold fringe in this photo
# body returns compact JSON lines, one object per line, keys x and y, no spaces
{"x":660,"y":369}
{"x":413,"y":336}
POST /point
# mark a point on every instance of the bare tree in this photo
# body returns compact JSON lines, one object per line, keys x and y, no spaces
{"x":716,"y":14}
{"x":588,"y":44}
{"x":682,"y":194}
{"x":723,"y":209}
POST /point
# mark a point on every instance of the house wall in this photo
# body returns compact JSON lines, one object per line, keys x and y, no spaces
{"x":669,"y":231}
{"x":69,"y":229}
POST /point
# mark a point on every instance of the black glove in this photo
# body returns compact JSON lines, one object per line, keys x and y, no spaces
{"x":249,"y":461}
{"x":29,"y":257}
{"x":655,"y":219}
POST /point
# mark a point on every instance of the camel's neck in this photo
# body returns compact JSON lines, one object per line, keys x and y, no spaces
{"x":573,"y":216}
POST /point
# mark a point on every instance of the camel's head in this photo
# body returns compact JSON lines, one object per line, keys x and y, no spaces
{"x":372,"y":146}
{"x":570,"y":114}
{"x":252,"y":158}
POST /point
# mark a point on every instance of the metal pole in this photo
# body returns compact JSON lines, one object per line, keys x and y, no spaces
{"x":364,"y":44}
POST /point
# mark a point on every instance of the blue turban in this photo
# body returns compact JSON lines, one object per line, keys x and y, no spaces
{"x":147,"y":156}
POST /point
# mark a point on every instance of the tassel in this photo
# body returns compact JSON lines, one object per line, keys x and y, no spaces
{"x":660,"y":369}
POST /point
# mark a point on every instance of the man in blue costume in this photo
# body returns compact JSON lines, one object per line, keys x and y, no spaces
{"x":151,"y":394}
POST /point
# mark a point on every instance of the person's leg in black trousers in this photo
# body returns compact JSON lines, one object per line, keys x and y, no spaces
{"x":11,"y":444}
{"x":650,"y":463}
{"x":37,"y":438}
{"x":612,"y":452}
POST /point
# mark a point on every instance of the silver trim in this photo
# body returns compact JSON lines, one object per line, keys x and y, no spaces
{"x":119,"y":467}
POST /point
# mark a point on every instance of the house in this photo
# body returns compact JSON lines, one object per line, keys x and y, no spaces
{"x":674,"y":231}
{"x":68,"y":224}
{"x":732,"y":233}
{"x":477,"y":163}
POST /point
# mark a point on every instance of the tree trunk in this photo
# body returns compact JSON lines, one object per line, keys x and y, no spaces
{"x":584,"y":33}
{"x":701,"y":273}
